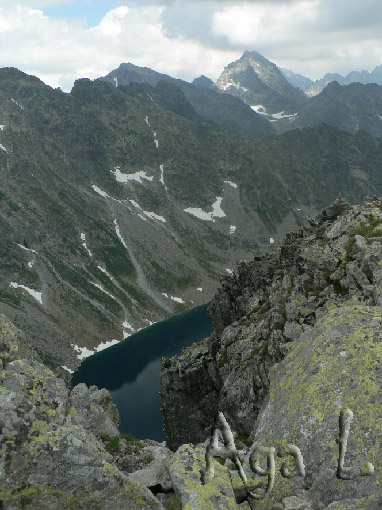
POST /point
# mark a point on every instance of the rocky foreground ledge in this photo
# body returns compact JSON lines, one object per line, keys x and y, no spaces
{"x":298,"y":339}
{"x":297,"y":343}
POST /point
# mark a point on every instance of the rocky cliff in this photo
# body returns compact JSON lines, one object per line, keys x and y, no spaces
{"x":297,"y":341}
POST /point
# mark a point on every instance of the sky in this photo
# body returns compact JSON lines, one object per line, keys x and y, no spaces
{"x":63,"y":40}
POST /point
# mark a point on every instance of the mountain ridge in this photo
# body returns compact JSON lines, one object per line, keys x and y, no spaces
{"x":118,"y":204}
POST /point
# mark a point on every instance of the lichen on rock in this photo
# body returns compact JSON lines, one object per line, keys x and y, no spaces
{"x":297,"y":341}
{"x":51,"y":452}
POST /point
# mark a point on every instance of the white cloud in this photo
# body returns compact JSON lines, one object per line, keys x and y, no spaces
{"x":186,"y":38}
{"x":254,"y":25}
{"x":60,"y":50}
{"x":308,"y":36}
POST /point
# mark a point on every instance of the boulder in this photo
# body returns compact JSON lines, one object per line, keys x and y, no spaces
{"x":51,"y":455}
{"x":334,"y":368}
{"x":186,"y":467}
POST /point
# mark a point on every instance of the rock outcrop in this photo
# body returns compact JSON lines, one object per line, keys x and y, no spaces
{"x":332,"y":368}
{"x":52,"y":455}
{"x":296,"y":343}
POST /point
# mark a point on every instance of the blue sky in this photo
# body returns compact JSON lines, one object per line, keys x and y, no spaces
{"x":90,"y":10}
{"x":63,"y":40}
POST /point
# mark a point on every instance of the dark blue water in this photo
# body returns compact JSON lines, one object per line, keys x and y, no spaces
{"x":130,"y":370}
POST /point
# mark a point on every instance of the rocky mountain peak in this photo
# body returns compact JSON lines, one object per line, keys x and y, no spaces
{"x":257,"y":81}
{"x":203,"y":81}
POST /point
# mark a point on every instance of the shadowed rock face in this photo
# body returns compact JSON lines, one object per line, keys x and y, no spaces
{"x":261,"y":309}
{"x":297,"y":342}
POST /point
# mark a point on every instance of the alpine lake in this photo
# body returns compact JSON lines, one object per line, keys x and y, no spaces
{"x":130,"y":370}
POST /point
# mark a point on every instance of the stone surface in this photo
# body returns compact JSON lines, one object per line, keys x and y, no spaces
{"x":155,"y":475}
{"x":334,"y":366}
{"x":51,"y":454}
{"x":185,"y":468}
{"x":264,"y":306}
{"x":297,"y":339}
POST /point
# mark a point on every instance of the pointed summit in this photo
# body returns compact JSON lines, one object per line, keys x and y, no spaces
{"x":259,"y":82}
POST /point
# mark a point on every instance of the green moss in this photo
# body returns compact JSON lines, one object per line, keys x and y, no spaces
{"x":371,"y":229}
{"x":223,"y":359}
{"x":109,"y":469}
{"x":172,"y":503}
{"x":129,"y":438}
{"x":350,"y":249}
{"x":111,"y":443}
{"x":210,"y":495}
{"x":340,"y":291}
{"x":38,"y":431}
{"x":244,"y":439}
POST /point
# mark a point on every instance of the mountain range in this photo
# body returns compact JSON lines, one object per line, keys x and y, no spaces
{"x":312,"y":88}
{"x":272,"y":96}
{"x":126,"y":200}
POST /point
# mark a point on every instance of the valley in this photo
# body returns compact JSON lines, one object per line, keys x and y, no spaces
{"x":125,"y":201}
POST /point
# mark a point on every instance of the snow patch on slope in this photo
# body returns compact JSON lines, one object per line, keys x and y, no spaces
{"x":161,"y":179}
{"x":174,"y":298}
{"x":231,"y":184}
{"x":117,"y":231}
{"x":137,"y":176}
{"x":19,"y":105}
{"x":232,"y":229}
{"x":105,"y":195}
{"x":149,"y":214}
{"x":105,"y":272}
{"x":26,"y":249}
{"x":82,"y":352}
{"x":3,"y":148}
{"x":100,"y":192}
{"x":33,"y":293}
{"x":67,"y":369}
{"x":103,"y":290}
{"x":83,"y":239}
{"x":217,"y":211}
{"x":105,"y":345}
{"x":154,"y":216}
{"x":260,"y":109}
{"x":234,"y":84}
{"x":125,"y":326}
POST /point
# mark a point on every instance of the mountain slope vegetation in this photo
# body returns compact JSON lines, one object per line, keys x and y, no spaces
{"x":120,"y":206}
